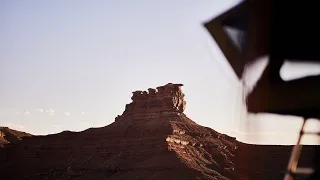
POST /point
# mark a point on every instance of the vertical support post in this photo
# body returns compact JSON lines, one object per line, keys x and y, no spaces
{"x":295,"y":154}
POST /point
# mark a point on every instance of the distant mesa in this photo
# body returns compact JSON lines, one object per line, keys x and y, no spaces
{"x":164,"y":100}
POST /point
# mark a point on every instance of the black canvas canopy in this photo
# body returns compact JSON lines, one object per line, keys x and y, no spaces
{"x":286,"y":29}
{"x":283,"y":30}
{"x":277,"y":29}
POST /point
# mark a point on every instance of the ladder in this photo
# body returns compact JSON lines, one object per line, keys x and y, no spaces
{"x":292,"y":168}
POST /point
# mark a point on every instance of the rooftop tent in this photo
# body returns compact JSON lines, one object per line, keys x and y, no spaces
{"x":269,"y":26}
{"x":284,"y":30}
{"x":273,"y":28}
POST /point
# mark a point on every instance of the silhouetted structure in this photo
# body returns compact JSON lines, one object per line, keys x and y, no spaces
{"x":277,"y":29}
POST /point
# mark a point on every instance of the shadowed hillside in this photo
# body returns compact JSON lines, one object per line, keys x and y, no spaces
{"x":152,"y":139}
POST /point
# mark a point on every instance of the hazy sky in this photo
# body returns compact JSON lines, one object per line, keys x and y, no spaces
{"x":71,"y":65}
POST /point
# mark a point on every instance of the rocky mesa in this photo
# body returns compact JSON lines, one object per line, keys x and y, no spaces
{"x":153,"y":139}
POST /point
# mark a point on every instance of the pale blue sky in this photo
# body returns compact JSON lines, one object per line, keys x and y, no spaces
{"x":79,"y":61}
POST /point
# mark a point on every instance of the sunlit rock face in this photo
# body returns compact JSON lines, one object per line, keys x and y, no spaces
{"x":164,"y":100}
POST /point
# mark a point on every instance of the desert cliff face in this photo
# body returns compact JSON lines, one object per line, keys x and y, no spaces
{"x":152,"y":139}
{"x":167,"y":99}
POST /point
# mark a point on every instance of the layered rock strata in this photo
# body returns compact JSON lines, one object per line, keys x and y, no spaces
{"x":153,"y":139}
{"x":167,"y":99}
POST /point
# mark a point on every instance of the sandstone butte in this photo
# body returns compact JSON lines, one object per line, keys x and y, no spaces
{"x":153,"y":139}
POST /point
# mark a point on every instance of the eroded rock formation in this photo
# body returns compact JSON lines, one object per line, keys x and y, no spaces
{"x":167,"y":99}
{"x":153,"y":139}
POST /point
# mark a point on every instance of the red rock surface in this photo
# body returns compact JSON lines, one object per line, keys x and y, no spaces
{"x":8,"y":135}
{"x":168,"y":147}
{"x":153,"y":139}
{"x":168,"y":98}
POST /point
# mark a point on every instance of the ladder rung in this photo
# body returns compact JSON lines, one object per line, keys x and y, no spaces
{"x":312,"y":133}
{"x":303,"y":171}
